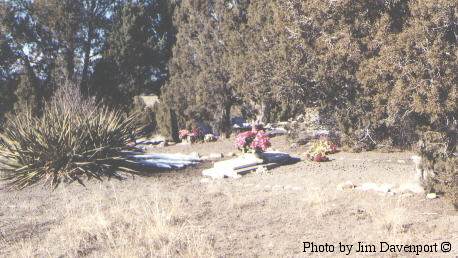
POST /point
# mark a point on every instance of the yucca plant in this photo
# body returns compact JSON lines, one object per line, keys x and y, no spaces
{"x":73,"y":139}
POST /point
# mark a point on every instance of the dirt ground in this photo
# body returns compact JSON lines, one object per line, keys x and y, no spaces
{"x":259,"y":215}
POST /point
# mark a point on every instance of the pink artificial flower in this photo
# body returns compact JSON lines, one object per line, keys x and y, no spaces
{"x":254,"y":140}
{"x":183,"y":134}
{"x":243,"y":140}
{"x":261,"y":142}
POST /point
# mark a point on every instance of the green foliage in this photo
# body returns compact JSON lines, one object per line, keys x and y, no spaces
{"x":199,"y":87}
{"x":137,"y":48}
{"x":24,"y":24}
{"x":63,"y":18}
{"x":410,"y":81}
{"x":267,"y":68}
{"x":7,"y":78}
{"x":73,"y":139}
{"x":384,"y":68}
{"x":114,"y":49}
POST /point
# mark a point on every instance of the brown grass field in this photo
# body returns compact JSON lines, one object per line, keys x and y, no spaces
{"x":178,"y":214}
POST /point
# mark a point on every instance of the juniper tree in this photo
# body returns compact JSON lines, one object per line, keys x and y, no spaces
{"x":43,"y":36}
{"x":266,"y":70}
{"x":63,"y":19}
{"x":95,"y":23}
{"x":136,"y":52}
{"x":199,"y":87}
{"x":412,"y":80}
{"x":32,"y":45}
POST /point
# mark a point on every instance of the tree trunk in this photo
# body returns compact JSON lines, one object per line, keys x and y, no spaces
{"x":264,"y":112}
{"x":87,"y":55}
{"x":69,"y":59}
{"x":225,"y":122}
{"x":34,"y":82}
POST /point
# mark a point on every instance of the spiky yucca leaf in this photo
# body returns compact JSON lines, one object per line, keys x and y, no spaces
{"x":73,"y":139}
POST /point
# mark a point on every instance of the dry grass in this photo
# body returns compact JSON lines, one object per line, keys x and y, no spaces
{"x":111,"y":224}
{"x":178,"y":214}
{"x":394,"y":220}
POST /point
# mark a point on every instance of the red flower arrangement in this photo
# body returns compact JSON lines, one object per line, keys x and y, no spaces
{"x":254,"y":141}
{"x":320,"y":148}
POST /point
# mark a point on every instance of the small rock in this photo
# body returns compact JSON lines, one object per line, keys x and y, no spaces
{"x":400,"y":161}
{"x":346,"y":186}
{"x":216,"y":155}
{"x":431,"y":196}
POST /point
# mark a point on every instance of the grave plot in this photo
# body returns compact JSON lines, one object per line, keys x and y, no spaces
{"x":235,"y":168}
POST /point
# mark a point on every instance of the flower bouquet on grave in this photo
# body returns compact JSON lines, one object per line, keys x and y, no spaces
{"x":192,"y":136}
{"x":319,"y":149}
{"x":254,"y":141}
{"x":183,"y":134}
